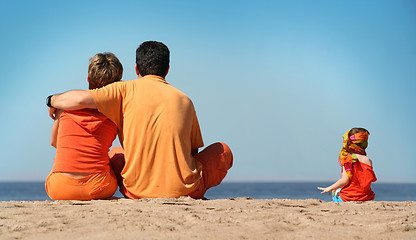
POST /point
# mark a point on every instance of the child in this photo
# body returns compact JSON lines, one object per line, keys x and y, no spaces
{"x":82,"y":139}
{"x":357,"y":169}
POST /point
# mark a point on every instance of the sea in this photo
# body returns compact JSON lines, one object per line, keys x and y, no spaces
{"x":35,"y":191}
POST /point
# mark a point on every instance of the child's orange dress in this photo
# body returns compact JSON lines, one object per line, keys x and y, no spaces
{"x":359,"y":187}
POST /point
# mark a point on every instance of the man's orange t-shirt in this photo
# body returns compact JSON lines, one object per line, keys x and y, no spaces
{"x":84,"y":140}
{"x":359,"y":188}
{"x":159,"y":129}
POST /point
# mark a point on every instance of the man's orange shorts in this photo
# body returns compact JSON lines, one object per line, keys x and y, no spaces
{"x":216,"y":159}
{"x":96,"y":186}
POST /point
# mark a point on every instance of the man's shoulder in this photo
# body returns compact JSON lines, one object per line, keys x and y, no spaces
{"x":182,"y":96}
{"x":175,"y":92}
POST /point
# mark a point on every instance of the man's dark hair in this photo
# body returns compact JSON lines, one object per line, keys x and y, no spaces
{"x":152,"y":58}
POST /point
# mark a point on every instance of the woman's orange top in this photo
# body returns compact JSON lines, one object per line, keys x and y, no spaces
{"x":358,"y":189}
{"x":84,"y":139}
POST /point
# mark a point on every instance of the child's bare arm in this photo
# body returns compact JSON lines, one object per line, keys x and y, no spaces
{"x":338,"y":184}
{"x":55,"y":127}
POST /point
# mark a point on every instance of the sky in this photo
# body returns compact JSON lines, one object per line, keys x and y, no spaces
{"x":279,"y":81}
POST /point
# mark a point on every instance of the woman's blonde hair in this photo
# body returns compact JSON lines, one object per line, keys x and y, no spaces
{"x":103,"y":69}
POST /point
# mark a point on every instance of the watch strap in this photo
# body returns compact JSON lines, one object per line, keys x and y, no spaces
{"x":48,"y":101}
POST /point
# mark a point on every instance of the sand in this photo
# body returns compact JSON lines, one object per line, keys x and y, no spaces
{"x":186,"y":218}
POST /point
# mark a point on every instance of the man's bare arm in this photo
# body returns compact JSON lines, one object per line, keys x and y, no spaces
{"x":71,"y":100}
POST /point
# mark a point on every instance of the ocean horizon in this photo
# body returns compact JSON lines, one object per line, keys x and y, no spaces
{"x":35,"y":191}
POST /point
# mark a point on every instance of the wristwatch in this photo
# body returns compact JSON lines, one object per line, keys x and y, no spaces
{"x":48,"y":101}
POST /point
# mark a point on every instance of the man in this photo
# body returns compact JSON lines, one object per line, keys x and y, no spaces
{"x":159,"y":131}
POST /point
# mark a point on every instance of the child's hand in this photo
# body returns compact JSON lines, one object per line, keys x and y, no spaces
{"x":325,"y":190}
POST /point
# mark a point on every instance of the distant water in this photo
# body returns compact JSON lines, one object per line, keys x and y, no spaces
{"x":306,"y":190}
{"x":35,"y":191}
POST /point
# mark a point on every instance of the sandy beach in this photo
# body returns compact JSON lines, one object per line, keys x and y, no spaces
{"x":186,"y":218}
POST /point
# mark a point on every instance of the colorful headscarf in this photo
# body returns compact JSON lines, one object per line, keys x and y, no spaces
{"x":356,"y":143}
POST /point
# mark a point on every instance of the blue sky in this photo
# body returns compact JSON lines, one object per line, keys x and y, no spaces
{"x":279,"y":81}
